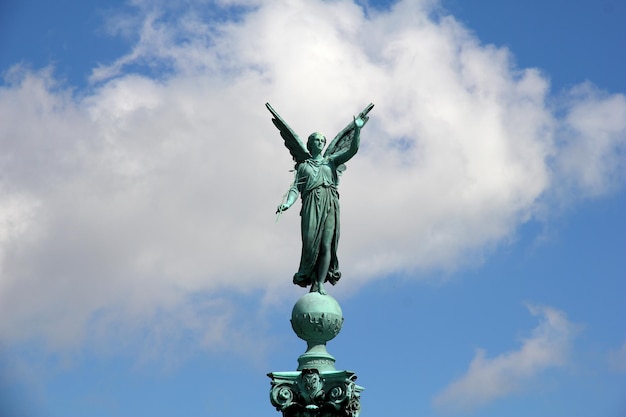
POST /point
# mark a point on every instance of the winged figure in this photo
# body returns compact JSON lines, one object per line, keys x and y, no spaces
{"x":316,"y":179}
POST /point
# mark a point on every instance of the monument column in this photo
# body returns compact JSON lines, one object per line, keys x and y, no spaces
{"x":317,"y":388}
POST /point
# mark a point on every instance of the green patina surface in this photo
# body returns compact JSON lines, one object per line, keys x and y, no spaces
{"x":317,"y":389}
{"x":316,"y":181}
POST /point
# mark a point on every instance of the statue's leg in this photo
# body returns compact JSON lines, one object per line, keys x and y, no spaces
{"x":325,"y":253}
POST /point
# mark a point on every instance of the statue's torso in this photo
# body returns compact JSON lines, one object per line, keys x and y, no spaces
{"x":313,"y":174}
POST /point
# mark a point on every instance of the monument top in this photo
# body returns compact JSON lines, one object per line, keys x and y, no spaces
{"x":316,"y":180}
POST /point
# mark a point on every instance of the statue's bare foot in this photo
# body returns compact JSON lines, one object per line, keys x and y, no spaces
{"x":321,"y":289}
{"x":314,"y":287}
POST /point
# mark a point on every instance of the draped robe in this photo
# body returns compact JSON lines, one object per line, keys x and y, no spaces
{"x":316,"y":181}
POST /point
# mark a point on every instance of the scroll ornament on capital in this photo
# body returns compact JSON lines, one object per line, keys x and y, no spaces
{"x":311,"y":394}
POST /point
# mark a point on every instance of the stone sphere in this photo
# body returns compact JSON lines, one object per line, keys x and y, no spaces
{"x":316,"y":318}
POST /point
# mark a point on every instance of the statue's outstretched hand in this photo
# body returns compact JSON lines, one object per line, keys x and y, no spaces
{"x":358,"y":122}
{"x":282,"y":208}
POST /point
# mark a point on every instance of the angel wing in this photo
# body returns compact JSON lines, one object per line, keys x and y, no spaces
{"x":292,"y":141}
{"x":343,"y":140}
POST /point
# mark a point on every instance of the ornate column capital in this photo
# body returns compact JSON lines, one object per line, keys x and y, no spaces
{"x":309,"y":393}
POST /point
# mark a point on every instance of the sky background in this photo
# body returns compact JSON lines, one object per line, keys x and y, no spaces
{"x":483,"y":249}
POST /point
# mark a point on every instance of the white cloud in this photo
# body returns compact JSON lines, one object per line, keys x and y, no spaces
{"x":617,"y":359}
{"x":488,"y":379}
{"x":591,"y":157}
{"x":135,"y":194}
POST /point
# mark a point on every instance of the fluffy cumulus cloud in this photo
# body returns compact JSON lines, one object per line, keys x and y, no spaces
{"x":490,"y":378}
{"x":158,"y":182}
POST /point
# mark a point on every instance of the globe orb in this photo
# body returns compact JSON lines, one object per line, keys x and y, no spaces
{"x":316,"y":318}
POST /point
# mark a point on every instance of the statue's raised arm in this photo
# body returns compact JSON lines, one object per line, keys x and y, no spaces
{"x":316,"y":182}
{"x":346,"y":143}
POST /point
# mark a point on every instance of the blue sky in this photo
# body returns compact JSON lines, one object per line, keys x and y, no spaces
{"x":142,"y":272}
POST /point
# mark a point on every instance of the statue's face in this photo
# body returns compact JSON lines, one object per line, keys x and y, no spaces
{"x":316,"y":143}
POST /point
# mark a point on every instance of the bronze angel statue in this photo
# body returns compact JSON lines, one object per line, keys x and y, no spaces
{"x":316,"y":180}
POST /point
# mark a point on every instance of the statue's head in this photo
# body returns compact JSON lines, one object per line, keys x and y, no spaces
{"x":316,"y":141}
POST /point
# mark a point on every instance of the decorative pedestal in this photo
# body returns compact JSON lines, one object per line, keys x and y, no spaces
{"x":309,"y":393}
{"x":316,"y":389}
